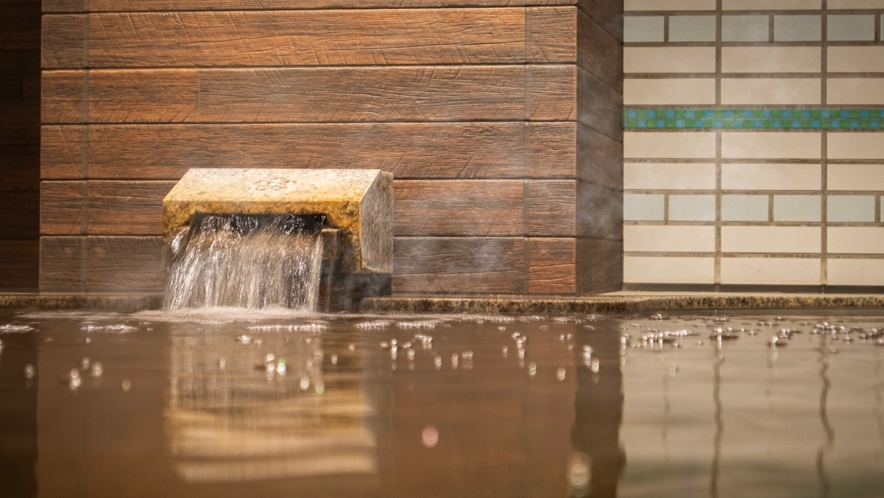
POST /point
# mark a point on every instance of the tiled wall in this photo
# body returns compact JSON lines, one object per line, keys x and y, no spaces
{"x":752,"y":144}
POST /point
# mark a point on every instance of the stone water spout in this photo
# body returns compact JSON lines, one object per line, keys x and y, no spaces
{"x":356,"y":206}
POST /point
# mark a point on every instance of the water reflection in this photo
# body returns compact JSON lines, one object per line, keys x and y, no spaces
{"x":266,"y":409}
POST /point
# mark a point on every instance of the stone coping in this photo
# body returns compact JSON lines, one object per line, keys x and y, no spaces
{"x":620,"y":302}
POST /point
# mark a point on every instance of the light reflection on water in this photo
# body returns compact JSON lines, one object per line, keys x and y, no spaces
{"x":222,"y":404}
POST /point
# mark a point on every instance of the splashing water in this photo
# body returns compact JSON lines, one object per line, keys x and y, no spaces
{"x":246,"y":261}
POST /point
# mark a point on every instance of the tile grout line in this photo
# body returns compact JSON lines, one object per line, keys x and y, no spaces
{"x":824,"y":149}
{"x":718,"y":36}
{"x":84,"y":187}
{"x":526,"y":251}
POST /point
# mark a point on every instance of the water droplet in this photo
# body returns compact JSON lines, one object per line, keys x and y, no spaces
{"x":561,"y":373}
{"x":30,"y":371}
{"x":305,"y":383}
{"x":222,"y":363}
{"x":97,"y":369}
{"x":351,"y":347}
{"x":126,"y":385}
{"x":74,"y":374}
{"x":579,"y":474}
{"x":532,"y":369}
{"x":504,"y":350}
{"x":438,"y":362}
{"x":673,"y":369}
{"x":410,"y":354}
{"x":319,"y":387}
{"x":270,"y":357}
{"x":430,"y":436}
{"x":280,"y":367}
{"x":334,"y":359}
{"x":594,"y":366}
{"x":88,"y":340}
{"x":454,"y":358}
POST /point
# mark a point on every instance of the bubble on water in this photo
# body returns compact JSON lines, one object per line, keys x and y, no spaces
{"x":88,"y":340}
{"x":561,"y":373}
{"x":532,"y":369}
{"x":245,"y":339}
{"x":12,"y":328}
{"x":280,"y":366}
{"x":30,"y":371}
{"x":521,"y":354}
{"x":269,"y":358}
{"x":430,"y":436}
{"x":501,"y":328}
{"x":126,"y":385}
{"x":222,"y":363}
{"x":410,"y":354}
{"x":319,"y":387}
{"x":438,"y":362}
{"x":305,"y":383}
{"x":454,"y":359}
{"x":119,"y":329}
{"x":673,"y":369}
{"x":374,"y":324}
{"x":383,"y":345}
{"x":579,"y":474}
{"x":84,"y":363}
{"x":351,"y":347}
{"x":74,"y":374}
{"x":97,"y":369}
{"x":504,"y":351}
{"x":334,"y":359}
{"x":594,"y":365}
{"x":422,"y":324}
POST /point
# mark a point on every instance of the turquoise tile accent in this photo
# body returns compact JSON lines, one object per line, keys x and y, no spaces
{"x":754,"y":119}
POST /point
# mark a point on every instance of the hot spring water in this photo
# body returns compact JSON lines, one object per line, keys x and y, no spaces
{"x":245,"y":261}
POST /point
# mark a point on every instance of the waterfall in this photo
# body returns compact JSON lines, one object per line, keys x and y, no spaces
{"x":247,"y":261}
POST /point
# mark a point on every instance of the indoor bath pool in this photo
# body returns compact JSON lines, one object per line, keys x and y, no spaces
{"x":221,"y":404}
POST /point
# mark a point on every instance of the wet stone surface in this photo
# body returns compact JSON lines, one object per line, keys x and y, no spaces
{"x":221,"y":403}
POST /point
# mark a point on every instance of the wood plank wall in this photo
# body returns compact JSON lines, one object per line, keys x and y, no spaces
{"x":19,"y":143}
{"x":472,"y":104}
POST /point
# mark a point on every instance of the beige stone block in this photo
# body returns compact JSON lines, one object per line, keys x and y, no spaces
{"x":855,"y":60}
{"x":648,"y":176}
{"x":669,"y":145}
{"x":856,"y":4}
{"x":776,"y":91}
{"x":668,"y":238}
{"x":770,"y":177}
{"x":770,"y":271}
{"x":693,"y":91}
{"x":770,"y":4}
{"x":848,"y":145}
{"x":771,"y":60}
{"x":771,"y":145}
{"x":669,"y":60}
{"x":630,"y":5}
{"x":855,"y":91}
{"x":856,"y":240}
{"x":767,"y":239}
{"x":855,"y":177}
{"x":664,"y":270}
{"x":856,"y":271}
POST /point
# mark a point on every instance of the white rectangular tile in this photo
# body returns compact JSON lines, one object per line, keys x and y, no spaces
{"x":771,"y":145}
{"x":855,"y":91}
{"x":798,"y":208}
{"x":692,"y":207}
{"x":751,"y":28}
{"x":855,"y":271}
{"x":770,"y":271}
{"x":669,"y":60}
{"x":770,"y":4}
{"x":847,"y":145}
{"x":855,"y":59}
{"x":771,"y":60}
{"x":856,"y":240}
{"x":770,"y":91}
{"x":777,"y":239}
{"x":797,"y":28}
{"x":692,"y":28}
{"x":687,"y":91}
{"x":630,"y":5}
{"x":856,"y":4}
{"x":647,"y":176}
{"x":643,"y":207}
{"x":770,"y":177}
{"x":669,"y":145}
{"x":856,"y":177}
{"x":668,"y":238}
{"x":851,"y":27}
{"x":744,"y":208}
{"x":647,"y":29}
{"x":668,"y":270}
{"x":850,"y":208}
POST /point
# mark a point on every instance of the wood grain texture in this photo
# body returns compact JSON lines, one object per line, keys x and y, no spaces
{"x":599,"y":106}
{"x":428,"y":265}
{"x":303,"y":95}
{"x":19,"y":264}
{"x":552,"y":266}
{"x":599,"y":158}
{"x":599,"y":266}
{"x":101,"y":264}
{"x":113,"y":207}
{"x":409,"y":151}
{"x":552,"y":34}
{"x":20,"y":165}
{"x":599,"y":53}
{"x":21,"y":214}
{"x":215,"y":5}
{"x":19,"y":121}
{"x":607,"y":14}
{"x":20,"y":25}
{"x":552,"y":208}
{"x":310,"y":38}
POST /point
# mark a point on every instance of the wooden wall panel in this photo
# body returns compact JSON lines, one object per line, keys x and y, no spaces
{"x":301,"y":95}
{"x":20,"y":121}
{"x":310,"y":38}
{"x":19,"y":264}
{"x":20,"y":25}
{"x":599,"y":159}
{"x":428,"y":265}
{"x":212,"y":5}
{"x":112,"y":207}
{"x":20,"y":215}
{"x":19,"y":164}
{"x":101,"y":264}
{"x":552,"y":208}
{"x":408,"y":150}
{"x":552,"y":266}
{"x":599,"y":53}
{"x":599,"y":106}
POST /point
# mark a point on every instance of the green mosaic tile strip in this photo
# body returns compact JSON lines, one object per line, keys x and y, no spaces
{"x":754,"y":119}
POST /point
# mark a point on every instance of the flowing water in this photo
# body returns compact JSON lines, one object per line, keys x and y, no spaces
{"x":245,"y":261}
{"x":229,"y":403}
